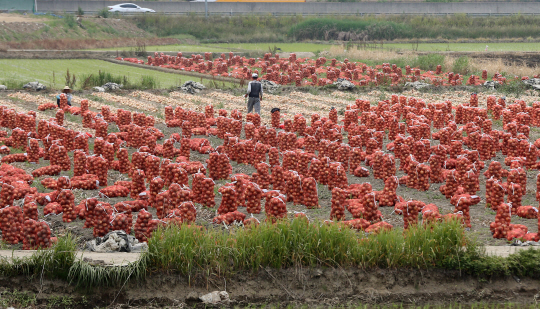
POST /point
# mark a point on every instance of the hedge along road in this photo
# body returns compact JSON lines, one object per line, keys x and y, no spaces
{"x":123,"y":258}
{"x":52,"y":72}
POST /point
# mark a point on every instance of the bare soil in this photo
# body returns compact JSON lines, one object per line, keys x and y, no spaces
{"x":19,"y":18}
{"x":314,"y":287}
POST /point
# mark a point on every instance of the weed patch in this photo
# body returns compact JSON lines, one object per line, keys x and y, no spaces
{"x":428,"y":62}
{"x":299,"y":243}
{"x":461,"y":66}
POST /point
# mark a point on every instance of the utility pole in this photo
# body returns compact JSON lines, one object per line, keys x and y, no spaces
{"x":206,"y":8}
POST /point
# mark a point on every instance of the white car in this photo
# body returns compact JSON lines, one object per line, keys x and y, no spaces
{"x":129,"y":8}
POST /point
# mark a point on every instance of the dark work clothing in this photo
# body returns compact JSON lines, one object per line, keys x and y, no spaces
{"x":254,"y":104}
{"x":254,"y":89}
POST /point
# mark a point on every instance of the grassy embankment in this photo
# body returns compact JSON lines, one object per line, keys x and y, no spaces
{"x":255,"y":29}
{"x":50,"y":32}
{"x":193,"y":250}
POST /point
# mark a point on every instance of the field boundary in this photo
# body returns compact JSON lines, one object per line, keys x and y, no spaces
{"x":98,"y":258}
{"x":529,"y":57}
{"x":178,"y":72}
{"x":314,"y":286}
{"x":109,"y":57}
{"x":121,"y":258}
{"x":82,"y":54}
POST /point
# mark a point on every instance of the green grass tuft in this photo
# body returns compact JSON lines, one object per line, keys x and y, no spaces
{"x":428,"y":62}
{"x":298,"y":243}
{"x":55,"y":261}
{"x":88,"y":276}
{"x":461,"y":66}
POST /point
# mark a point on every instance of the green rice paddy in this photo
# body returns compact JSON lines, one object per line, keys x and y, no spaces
{"x":52,"y":72}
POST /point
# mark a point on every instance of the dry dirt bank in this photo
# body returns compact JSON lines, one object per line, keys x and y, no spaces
{"x":313,"y":287}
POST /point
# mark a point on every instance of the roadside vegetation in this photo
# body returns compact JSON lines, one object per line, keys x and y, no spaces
{"x":218,"y":29}
{"x":296,"y":243}
{"x":66,"y":32}
{"x":416,"y":27}
{"x":253,"y":29}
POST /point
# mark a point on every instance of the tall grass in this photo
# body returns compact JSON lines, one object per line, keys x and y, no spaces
{"x":299,"y":243}
{"x":54,"y":262}
{"x":84,"y":275}
{"x":428,"y":62}
{"x":92,"y":80}
{"x":513,"y":87}
{"x":69,"y":20}
{"x":60,"y":262}
{"x":103,"y":13}
{"x":101,"y":78}
{"x":149,"y":82}
{"x":252,"y":29}
{"x":327,"y":28}
{"x":498,"y":65}
{"x":12,"y":83}
{"x":462,"y":65}
{"x":192,"y":250}
{"x":419,"y":26}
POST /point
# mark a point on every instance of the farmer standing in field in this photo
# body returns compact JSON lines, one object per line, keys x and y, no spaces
{"x":254,"y":92}
{"x":67,"y":91}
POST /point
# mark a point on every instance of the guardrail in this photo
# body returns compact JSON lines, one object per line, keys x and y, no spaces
{"x":225,"y":14}
{"x":307,"y":9}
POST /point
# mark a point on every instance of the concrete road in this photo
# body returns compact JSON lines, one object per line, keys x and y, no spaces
{"x":123,"y":258}
{"x":97,"y":258}
{"x":505,"y":251}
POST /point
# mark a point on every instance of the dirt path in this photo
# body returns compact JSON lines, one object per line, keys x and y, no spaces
{"x":505,"y":251}
{"x":18,"y":18}
{"x":123,"y":258}
{"x":98,"y":258}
